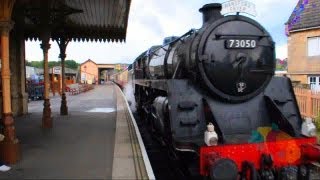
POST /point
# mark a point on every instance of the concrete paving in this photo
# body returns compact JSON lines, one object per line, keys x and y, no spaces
{"x":80,"y":145}
{"x":130,"y":159}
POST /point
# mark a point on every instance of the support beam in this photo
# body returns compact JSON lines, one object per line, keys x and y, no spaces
{"x":10,"y":146}
{"x":45,"y":46}
{"x":63,"y":43}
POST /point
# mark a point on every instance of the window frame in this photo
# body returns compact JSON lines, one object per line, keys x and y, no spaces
{"x":311,"y":37}
{"x":312,"y":80}
{"x":316,"y":82}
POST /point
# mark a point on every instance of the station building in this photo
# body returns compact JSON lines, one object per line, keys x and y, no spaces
{"x":303,"y":30}
{"x":93,"y":73}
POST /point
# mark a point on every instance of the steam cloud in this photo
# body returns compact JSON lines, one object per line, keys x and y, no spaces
{"x":129,"y":93}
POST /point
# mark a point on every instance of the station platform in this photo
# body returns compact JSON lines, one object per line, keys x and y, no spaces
{"x":97,"y":140}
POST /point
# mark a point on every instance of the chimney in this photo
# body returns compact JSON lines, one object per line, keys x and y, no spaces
{"x":210,"y":12}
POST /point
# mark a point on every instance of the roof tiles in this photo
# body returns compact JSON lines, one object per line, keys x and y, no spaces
{"x":305,"y":15}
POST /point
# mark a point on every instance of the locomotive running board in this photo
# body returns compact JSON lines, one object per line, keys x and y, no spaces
{"x":157,"y":84}
{"x":283,"y":153}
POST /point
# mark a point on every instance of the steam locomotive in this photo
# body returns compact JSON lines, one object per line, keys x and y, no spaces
{"x":212,"y":94}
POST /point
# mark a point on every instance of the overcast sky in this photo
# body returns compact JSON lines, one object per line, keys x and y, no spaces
{"x":152,"y":20}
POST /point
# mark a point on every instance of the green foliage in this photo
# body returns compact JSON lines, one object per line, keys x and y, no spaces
{"x":53,"y":63}
{"x":281,"y":65}
{"x":317,"y":122}
{"x":37,"y":64}
{"x":72,"y":64}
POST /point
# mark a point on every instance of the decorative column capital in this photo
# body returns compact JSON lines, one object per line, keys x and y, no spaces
{"x":62,"y":56}
{"x":45,"y":46}
{"x":6,"y":26}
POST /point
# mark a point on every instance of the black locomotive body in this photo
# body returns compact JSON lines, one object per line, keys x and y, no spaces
{"x":222,"y":74}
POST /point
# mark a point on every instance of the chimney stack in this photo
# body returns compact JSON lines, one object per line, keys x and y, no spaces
{"x":210,"y":12}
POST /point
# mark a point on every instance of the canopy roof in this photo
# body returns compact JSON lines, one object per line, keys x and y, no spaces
{"x":78,"y":20}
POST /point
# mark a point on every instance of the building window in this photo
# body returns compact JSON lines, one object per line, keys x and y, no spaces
{"x":314,"y":82}
{"x":314,"y":46}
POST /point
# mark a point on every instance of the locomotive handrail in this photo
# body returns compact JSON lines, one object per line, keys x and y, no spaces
{"x":191,"y":31}
{"x":176,"y":70}
{"x":265,"y":71}
{"x":148,"y":52}
{"x":218,"y":36}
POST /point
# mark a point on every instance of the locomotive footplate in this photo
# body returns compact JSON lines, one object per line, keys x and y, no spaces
{"x":285,"y":159}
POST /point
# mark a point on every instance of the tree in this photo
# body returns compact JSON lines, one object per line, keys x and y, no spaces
{"x":28,"y":63}
{"x":281,"y":65}
{"x":72,"y":64}
{"x":52,"y":64}
{"x":37,"y":64}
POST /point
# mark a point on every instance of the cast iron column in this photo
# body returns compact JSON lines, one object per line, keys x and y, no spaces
{"x":10,"y":145}
{"x":45,"y":46}
{"x":63,"y":43}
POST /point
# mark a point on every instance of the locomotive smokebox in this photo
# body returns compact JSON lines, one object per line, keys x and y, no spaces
{"x":210,"y":12}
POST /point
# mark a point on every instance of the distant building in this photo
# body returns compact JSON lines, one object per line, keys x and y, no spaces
{"x":55,"y":73}
{"x":93,"y":73}
{"x":33,"y":71}
{"x":303,"y":30}
{"x":89,"y":72}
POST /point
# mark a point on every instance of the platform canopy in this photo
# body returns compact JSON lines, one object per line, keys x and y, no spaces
{"x":78,"y":20}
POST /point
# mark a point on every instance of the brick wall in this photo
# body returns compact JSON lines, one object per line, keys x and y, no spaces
{"x":91,"y":70}
{"x":299,"y":77}
{"x":298,"y":61}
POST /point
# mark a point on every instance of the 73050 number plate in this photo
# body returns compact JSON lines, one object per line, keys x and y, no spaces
{"x":241,"y":43}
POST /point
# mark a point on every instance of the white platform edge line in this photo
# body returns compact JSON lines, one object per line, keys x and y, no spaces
{"x":141,"y":144}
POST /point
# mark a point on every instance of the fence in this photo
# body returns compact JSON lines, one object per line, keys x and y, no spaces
{"x":308,"y":101}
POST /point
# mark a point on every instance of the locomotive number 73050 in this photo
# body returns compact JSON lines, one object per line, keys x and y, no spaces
{"x":241,"y":43}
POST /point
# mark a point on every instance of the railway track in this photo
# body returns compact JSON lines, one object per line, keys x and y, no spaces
{"x":163,"y":166}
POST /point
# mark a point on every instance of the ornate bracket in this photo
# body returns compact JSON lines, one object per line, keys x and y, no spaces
{"x":45,"y":45}
{"x":6,"y":26}
{"x":62,"y":43}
